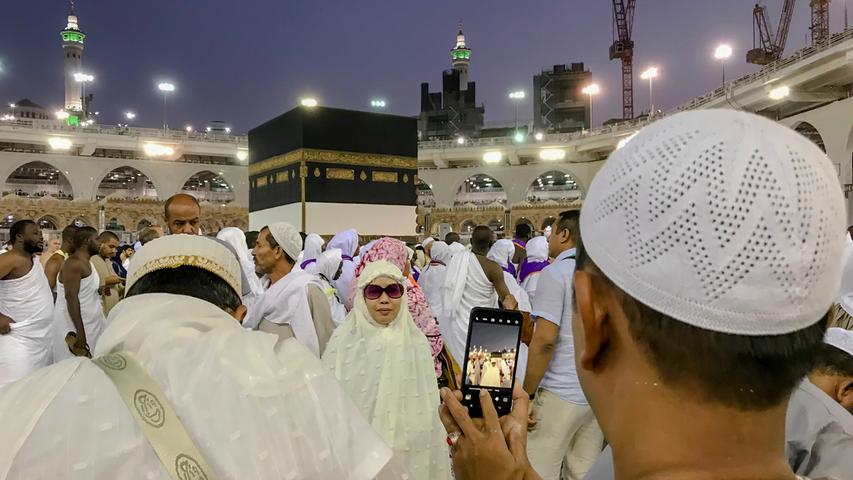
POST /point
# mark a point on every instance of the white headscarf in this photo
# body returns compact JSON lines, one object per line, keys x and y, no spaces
{"x":537,"y":249}
{"x":440,"y":252}
{"x":237,"y":240}
{"x":502,"y":252}
{"x":455,"y":248}
{"x":347,"y":241}
{"x":313,"y":248}
{"x":328,"y":264}
{"x":388,"y":372}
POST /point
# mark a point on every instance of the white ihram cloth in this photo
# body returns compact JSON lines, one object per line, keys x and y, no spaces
{"x":91,"y":311}
{"x":465,"y":287}
{"x":286,"y":303}
{"x":29,"y":346}
{"x":237,"y":239}
{"x":254,"y":411}
{"x":388,"y":372}
{"x":432,"y":278}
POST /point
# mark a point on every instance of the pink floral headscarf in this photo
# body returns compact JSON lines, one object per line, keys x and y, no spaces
{"x":394,"y":251}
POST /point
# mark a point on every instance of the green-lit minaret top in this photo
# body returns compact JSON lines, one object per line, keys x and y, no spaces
{"x":72,"y":33}
{"x":460,"y":54}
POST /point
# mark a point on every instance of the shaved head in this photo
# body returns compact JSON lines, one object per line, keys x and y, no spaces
{"x":182,"y":214}
{"x":482,"y":238}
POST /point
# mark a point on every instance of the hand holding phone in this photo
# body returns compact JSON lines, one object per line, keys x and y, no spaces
{"x":490,"y":358}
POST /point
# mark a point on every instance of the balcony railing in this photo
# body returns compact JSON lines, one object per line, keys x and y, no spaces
{"x":140,"y":132}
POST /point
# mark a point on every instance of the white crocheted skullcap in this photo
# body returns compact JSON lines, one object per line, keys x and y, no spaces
{"x":287,"y":237}
{"x":840,"y":338}
{"x":721,"y":219}
{"x":173,"y":251}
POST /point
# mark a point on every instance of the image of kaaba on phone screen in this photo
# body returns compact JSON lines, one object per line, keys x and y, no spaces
{"x":492,"y":353}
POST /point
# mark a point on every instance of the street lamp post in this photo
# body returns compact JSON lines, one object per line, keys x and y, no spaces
{"x":83,"y":79}
{"x":591,"y":89}
{"x":517,"y":96}
{"x":13,"y":107}
{"x":650,"y":74}
{"x":166,"y":88}
{"x":722,"y":53}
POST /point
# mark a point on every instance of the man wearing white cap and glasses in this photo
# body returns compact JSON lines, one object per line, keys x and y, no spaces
{"x":710,"y":257}
{"x":179,"y":390}
{"x":293,"y":305}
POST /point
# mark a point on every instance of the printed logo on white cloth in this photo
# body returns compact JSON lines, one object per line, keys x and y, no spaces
{"x":188,"y":468}
{"x":149,"y":408}
{"x":113,"y":361}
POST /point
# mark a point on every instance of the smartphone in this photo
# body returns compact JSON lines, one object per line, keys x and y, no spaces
{"x":490,"y":358}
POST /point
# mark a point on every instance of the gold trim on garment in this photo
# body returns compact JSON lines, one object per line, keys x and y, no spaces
{"x":175,"y":261}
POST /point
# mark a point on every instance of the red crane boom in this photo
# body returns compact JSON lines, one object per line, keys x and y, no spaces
{"x":770,"y":48}
{"x":623,"y":49}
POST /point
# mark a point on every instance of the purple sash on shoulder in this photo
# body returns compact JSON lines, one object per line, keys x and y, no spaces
{"x":528,"y":268}
{"x":307,"y":262}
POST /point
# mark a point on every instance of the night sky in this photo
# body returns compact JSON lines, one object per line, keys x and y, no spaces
{"x":245,"y":62}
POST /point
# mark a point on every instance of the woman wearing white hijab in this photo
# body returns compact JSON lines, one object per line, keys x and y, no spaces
{"x":536,"y":261}
{"x":347,"y":242}
{"x":237,"y":239}
{"x":313,"y":248}
{"x":432,"y":278}
{"x":329,"y":266}
{"x":384,"y":362}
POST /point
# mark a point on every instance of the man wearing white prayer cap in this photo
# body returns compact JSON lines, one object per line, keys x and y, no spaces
{"x":179,"y":390}
{"x":710,"y":257}
{"x":293,"y":304}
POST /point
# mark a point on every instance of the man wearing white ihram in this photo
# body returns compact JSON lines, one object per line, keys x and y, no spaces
{"x":180,"y":390}
{"x":26,"y":305}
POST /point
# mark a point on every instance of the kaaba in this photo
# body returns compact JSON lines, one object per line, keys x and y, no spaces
{"x":324,"y":170}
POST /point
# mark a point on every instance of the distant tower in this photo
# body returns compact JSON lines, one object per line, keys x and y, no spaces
{"x":461,"y":57}
{"x":72,"y":45}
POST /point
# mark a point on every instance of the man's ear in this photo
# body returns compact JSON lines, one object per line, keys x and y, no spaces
{"x":593,"y":320}
{"x":239,"y":313}
{"x":844,"y":393}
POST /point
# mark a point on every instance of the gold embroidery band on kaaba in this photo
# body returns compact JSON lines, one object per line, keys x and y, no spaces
{"x":387,"y":177}
{"x":334,"y":157}
{"x":175,"y":261}
{"x":340,"y":173}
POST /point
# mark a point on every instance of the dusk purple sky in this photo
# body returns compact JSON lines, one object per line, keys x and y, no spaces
{"x":246,"y":62}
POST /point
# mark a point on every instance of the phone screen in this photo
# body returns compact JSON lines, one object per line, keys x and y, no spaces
{"x":490,"y":358}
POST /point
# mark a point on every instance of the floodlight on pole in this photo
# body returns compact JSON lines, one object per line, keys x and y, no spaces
{"x":517,"y":96}
{"x":722,"y":53}
{"x":650,"y":74}
{"x":377,"y":103}
{"x":308,"y":102}
{"x":83,"y":79}
{"x":166,"y":88}
{"x":591,"y":89}
{"x":129,"y":115}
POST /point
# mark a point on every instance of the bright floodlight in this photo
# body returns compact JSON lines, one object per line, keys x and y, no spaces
{"x":538,"y":136}
{"x":518,"y":137}
{"x":12,"y":105}
{"x":242,"y":154}
{"x":723,"y":51}
{"x":189,"y":128}
{"x":779,"y":93}
{"x":59,"y":143}
{"x":649,"y":73}
{"x":552,"y":154}
{"x":308,"y":102}
{"x":227,"y":129}
{"x":129,"y":115}
{"x":492,"y":157}
{"x":157,"y":150}
{"x":591,"y":89}
{"x":61,"y":114}
{"x":460,"y":140}
{"x":517,"y":95}
{"x":379,"y":103}
{"x":83,"y":77}
{"x":166,"y":87}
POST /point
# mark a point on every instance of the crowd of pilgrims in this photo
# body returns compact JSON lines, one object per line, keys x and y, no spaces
{"x":681,"y":336}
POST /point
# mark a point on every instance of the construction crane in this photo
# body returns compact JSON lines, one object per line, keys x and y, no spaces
{"x":770,"y":48}
{"x":623,"y":49}
{"x":820,"y":21}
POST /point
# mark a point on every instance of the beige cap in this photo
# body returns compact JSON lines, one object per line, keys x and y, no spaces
{"x":173,"y":251}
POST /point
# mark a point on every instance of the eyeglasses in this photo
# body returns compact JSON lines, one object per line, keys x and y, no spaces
{"x":372,"y":292}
